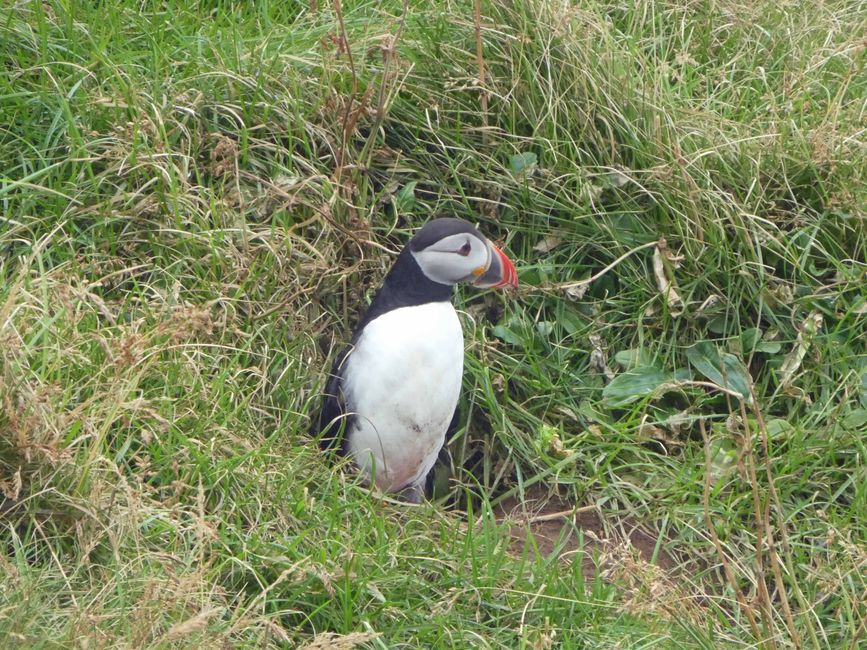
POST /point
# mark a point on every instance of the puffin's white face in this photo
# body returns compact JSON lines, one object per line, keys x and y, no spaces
{"x":461,"y":257}
{"x":449,"y":251}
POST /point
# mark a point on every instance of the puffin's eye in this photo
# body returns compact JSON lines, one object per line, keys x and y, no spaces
{"x":465,"y":249}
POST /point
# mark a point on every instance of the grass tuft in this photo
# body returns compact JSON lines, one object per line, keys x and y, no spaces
{"x":197,"y":200}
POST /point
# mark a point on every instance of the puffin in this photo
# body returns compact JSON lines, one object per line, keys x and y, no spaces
{"x":392,"y":393}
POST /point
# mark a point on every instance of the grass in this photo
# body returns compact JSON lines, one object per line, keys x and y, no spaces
{"x":197,"y":199}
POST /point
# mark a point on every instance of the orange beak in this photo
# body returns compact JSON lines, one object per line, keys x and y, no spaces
{"x":500,"y":274}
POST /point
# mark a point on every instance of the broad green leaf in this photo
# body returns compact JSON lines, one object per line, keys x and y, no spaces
{"x":404,"y":198}
{"x":545,"y":328}
{"x":778,"y":427}
{"x":571,"y":322}
{"x":633,"y":358}
{"x":636,"y":383}
{"x":749,"y":338}
{"x":682,"y":374}
{"x":718,"y":324}
{"x":724,"y":370}
{"x":856,"y":419}
{"x":522,"y":162}
{"x":505,"y":333}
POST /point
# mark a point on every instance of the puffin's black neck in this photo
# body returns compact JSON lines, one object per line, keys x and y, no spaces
{"x":405,"y":286}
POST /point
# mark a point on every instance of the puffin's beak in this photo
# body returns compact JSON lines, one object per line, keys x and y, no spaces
{"x":501,"y":272}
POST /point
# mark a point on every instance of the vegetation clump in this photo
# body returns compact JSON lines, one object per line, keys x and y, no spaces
{"x":662,"y":434}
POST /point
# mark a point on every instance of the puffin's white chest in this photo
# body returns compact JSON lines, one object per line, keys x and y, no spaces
{"x":402,"y":382}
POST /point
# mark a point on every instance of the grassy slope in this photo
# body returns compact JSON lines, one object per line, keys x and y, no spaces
{"x":196,"y":200}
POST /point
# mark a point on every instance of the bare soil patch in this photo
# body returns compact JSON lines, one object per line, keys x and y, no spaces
{"x":549,"y":523}
{"x":619,"y":551}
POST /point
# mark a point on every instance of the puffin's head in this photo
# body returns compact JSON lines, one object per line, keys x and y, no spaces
{"x":451,"y":251}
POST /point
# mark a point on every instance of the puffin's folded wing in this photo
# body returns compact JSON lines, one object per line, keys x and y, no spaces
{"x":328,"y":428}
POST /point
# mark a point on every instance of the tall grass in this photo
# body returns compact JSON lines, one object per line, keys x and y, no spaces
{"x":198,"y":198}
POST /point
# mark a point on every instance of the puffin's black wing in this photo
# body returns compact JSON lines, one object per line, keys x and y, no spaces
{"x":328,"y":428}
